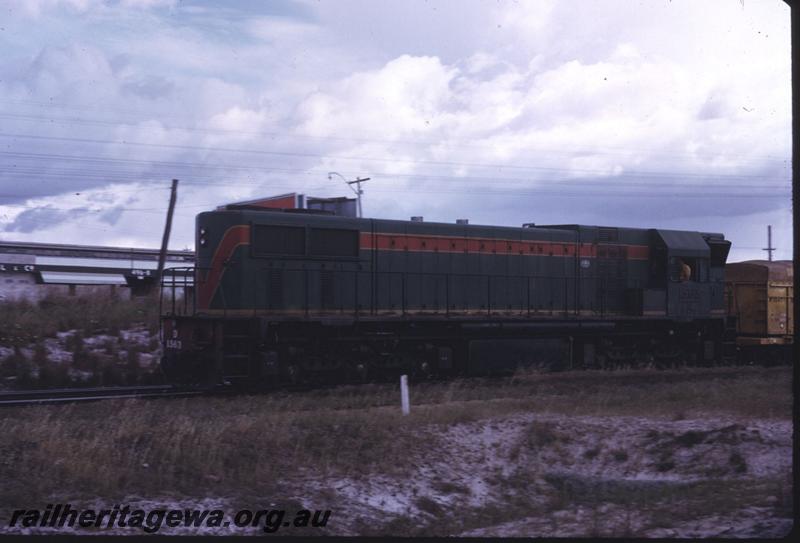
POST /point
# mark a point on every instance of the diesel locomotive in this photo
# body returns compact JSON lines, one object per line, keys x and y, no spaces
{"x":295,"y":296}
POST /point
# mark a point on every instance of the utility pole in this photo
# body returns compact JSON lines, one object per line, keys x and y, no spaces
{"x":162,"y":256}
{"x":359,"y":192}
{"x":357,"y":182}
{"x":769,"y":248}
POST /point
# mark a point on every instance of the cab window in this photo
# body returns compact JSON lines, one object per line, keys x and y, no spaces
{"x":683,"y":269}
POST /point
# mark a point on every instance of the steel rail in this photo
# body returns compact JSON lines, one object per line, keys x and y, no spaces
{"x":45,"y":396}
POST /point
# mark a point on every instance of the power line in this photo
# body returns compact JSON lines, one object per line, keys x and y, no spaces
{"x":368,"y":159}
{"x":562,"y":191}
{"x":611,"y":181}
{"x":484,"y":193}
{"x":563,"y":187}
{"x":603,"y":194}
{"x":595,"y":149}
{"x":238,"y":167}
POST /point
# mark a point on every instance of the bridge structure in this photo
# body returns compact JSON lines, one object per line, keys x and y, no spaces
{"x":33,"y":270}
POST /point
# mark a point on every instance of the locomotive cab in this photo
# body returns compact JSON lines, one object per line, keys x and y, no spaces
{"x":687,"y":269}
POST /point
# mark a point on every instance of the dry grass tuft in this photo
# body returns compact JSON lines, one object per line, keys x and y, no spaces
{"x":190,"y":446}
{"x":23,"y":322}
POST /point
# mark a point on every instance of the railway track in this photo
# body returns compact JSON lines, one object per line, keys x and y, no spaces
{"x":68,"y":395}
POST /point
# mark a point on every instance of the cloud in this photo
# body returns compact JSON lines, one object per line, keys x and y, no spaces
{"x":409,"y":95}
{"x":149,"y":87}
{"x":112,"y":215}
{"x":43,"y":218}
{"x":573,"y":120}
{"x":497,"y":111}
{"x":148,"y":4}
{"x":40,"y":8}
{"x":279,"y":30}
{"x":35,"y":8}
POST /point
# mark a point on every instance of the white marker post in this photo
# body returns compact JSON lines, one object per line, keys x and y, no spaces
{"x":404,"y":394}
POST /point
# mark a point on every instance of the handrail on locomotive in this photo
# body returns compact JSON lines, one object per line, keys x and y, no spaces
{"x":181,"y":283}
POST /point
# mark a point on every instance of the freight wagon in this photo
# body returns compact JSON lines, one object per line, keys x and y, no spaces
{"x":759,"y":295}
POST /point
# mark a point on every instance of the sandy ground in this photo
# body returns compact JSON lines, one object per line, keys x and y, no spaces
{"x":533,"y":475}
{"x":491,"y":463}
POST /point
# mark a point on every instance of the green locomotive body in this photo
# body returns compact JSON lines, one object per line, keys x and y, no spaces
{"x":297,"y":296}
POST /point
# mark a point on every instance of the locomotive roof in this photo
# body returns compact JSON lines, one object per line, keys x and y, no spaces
{"x":253,"y":213}
{"x":686,"y":243}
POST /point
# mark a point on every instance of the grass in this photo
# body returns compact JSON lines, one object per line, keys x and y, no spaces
{"x":654,"y":503}
{"x":447,"y":487}
{"x":592,"y":453}
{"x":619,"y":455}
{"x":746,"y":392}
{"x":250,"y":445}
{"x":188,"y":446}
{"x":211,"y":444}
{"x":26,"y":324}
{"x":669,"y":503}
{"x":23,"y":322}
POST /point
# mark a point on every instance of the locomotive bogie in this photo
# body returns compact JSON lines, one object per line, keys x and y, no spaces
{"x":315,"y":353}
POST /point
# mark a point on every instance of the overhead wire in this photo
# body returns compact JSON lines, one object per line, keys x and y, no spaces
{"x":499,"y":167}
{"x":148,"y":116}
{"x":238,"y":167}
{"x":500,"y":184}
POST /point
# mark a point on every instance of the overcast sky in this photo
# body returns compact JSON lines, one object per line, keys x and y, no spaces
{"x":653,"y":114}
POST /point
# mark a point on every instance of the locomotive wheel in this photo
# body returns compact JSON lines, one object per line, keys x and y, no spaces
{"x":293,"y":374}
{"x":423,"y":370}
{"x":668,"y":356}
{"x":358,"y":371}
